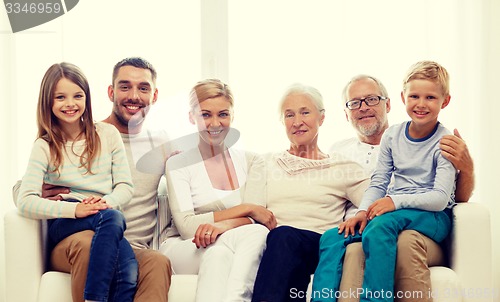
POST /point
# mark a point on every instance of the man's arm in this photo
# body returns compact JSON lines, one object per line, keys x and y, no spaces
{"x":454,"y":148}
{"x":48,"y":191}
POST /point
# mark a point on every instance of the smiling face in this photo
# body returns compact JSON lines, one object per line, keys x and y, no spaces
{"x":369,"y":121}
{"x":68,"y":104}
{"x":302,"y":120}
{"x":423,"y":99}
{"x":213,"y":118}
{"x":132,"y":92}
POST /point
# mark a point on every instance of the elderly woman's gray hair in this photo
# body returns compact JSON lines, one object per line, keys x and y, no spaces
{"x":312,"y":93}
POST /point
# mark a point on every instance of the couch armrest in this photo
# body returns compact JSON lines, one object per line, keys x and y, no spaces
{"x":163,"y":215}
{"x":470,"y":251}
{"x":24,"y":257}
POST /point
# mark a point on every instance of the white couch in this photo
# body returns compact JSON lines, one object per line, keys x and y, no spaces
{"x":469,"y":277}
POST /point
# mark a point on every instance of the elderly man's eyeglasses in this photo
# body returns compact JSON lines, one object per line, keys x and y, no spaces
{"x":372,"y":100}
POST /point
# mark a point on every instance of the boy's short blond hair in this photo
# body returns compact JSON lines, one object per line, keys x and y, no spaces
{"x":429,"y":70}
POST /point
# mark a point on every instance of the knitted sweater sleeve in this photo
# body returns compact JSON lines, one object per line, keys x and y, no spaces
{"x":29,"y":202}
{"x":255,"y":187}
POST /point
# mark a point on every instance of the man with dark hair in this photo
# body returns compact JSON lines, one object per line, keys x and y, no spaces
{"x":132,"y":92}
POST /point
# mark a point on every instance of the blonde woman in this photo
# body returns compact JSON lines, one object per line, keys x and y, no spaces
{"x":217,"y":200}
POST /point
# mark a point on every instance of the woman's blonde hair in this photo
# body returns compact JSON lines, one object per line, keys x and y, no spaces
{"x":209,"y":89}
{"x":49,"y":128}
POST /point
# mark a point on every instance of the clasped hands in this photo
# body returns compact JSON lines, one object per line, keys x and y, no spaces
{"x":377,"y":208}
{"x":89,"y":206}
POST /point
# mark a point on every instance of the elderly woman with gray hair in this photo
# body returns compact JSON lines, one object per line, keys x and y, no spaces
{"x":307,"y":190}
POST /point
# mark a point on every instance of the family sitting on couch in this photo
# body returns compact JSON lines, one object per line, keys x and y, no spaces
{"x":249,"y":225}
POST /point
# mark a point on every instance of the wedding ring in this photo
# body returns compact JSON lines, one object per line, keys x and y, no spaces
{"x":208,"y":233}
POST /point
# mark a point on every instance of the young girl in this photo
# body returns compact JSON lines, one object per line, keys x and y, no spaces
{"x":72,"y":151}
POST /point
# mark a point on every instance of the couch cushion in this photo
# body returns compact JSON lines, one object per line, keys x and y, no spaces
{"x":445,"y":285}
{"x":183,"y":288}
{"x":55,"y":287}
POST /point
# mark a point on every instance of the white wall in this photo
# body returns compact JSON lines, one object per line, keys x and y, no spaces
{"x":94,"y":36}
{"x":5,"y":153}
{"x":488,"y":166}
{"x":259,"y":47}
{"x":324,"y":43}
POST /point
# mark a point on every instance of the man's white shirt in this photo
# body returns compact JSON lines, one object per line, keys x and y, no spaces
{"x":364,"y":154}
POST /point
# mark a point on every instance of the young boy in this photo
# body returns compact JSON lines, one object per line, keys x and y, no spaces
{"x":420,"y":199}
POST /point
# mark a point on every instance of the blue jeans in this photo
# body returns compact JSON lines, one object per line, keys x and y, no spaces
{"x":285,"y":269}
{"x":113,"y":269}
{"x":379,"y":241}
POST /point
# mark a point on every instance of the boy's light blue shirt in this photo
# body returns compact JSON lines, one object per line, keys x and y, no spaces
{"x":423,"y":178}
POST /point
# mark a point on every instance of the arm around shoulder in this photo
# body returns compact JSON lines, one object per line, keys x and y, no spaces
{"x":465,"y":186}
{"x":454,"y":148}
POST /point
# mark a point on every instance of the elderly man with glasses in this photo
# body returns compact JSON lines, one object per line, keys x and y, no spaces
{"x":366,"y":106}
